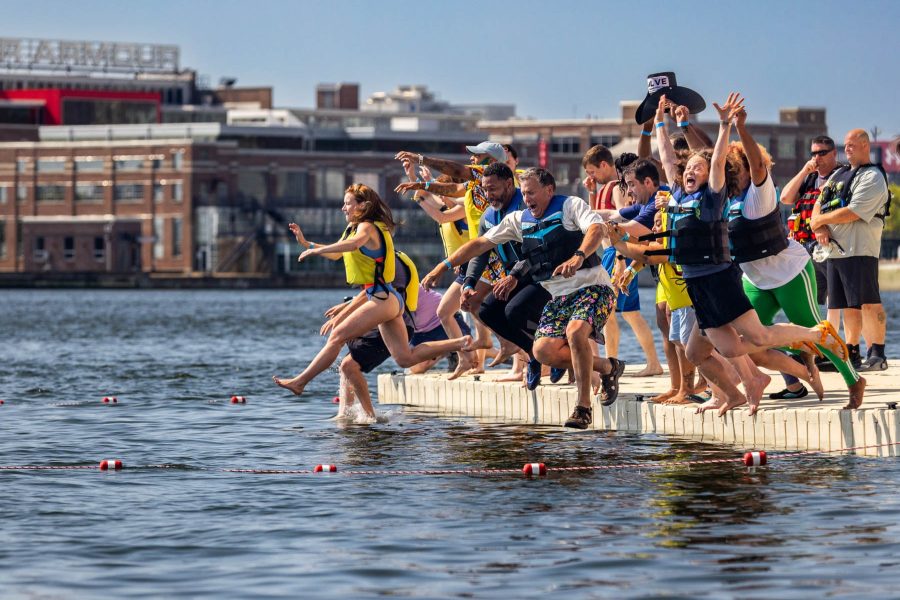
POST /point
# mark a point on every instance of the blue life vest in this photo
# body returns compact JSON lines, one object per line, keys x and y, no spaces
{"x":546,"y":244}
{"x":692,"y":241}
{"x":509,"y":252}
{"x":752,"y":239}
{"x":837,"y":194}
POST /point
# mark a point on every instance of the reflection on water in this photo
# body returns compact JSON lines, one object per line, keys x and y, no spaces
{"x":799,"y":528}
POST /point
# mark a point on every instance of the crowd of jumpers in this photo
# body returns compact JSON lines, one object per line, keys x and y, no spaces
{"x":547,"y":273}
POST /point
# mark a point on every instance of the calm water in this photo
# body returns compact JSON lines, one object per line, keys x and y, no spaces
{"x":810,"y":528}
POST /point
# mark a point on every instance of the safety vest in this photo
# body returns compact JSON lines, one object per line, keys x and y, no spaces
{"x":509,"y":252}
{"x":603,"y":199}
{"x":546,"y":244}
{"x":801,"y":213}
{"x":752,"y":239}
{"x":410,"y":291}
{"x":454,"y":234}
{"x":474,"y":202}
{"x":837,"y":193}
{"x":366,"y":270}
{"x":692,"y":241}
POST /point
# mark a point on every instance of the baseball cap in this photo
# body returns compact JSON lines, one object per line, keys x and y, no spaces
{"x":492,"y":149}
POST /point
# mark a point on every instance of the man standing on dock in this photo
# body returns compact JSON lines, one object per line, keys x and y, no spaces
{"x":849,"y":215}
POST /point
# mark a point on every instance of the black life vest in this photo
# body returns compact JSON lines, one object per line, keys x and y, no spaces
{"x":801,"y":213}
{"x":692,"y":241}
{"x":752,"y":239}
{"x":546,"y":244}
{"x":837,"y":193}
{"x":509,"y":252}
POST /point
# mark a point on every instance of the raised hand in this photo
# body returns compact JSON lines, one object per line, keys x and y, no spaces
{"x":682,"y":113}
{"x":729,"y":109}
{"x":426,"y":173}
{"x":590,"y":184}
{"x":298,"y":234}
{"x":307,"y":253}
{"x":409,"y":168}
{"x":404,"y":155}
{"x":661,"y":109}
{"x":409,"y":186}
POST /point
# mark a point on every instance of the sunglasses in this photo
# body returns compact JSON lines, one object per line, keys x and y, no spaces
{"x":820,"y":152}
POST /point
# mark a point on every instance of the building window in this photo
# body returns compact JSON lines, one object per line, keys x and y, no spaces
{"x":88,"y":192}
{"x":367,"y":178}
{"x":158,"y":192}
{"x":3,"y":194}
{"x":290,"y":187}
{"x":21,"y":165}
{"x":565,"y":145}
{"x":562,"y":175}
{"x":51,"y":165}
{"x":88,"y":165}
{"x":51,"y":193}
{"x":177,"y":192}
{"x":156,"y":163}
{"x":128,"y":192}
{"x":787,"y":146}
{"x":21,"y":193}
{"x":69,"y":248}
{"x":99,"y":249}
{"x":177,"y":160}
{"x":107,"y":112}
{"x":2,"y":239}
{"x":176,"y":236}
{"x":330,"y":184}
{"x":158,"y":246}
{"x":129,"y":164}
{"x":40,"y":252}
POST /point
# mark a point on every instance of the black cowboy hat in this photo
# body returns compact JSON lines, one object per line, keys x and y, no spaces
{"x":664,"y":83}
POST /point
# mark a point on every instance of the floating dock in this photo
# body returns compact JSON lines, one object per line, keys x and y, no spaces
{"x":803,"y":424}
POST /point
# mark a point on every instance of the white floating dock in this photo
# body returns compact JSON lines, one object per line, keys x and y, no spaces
{"x":804,"y":424}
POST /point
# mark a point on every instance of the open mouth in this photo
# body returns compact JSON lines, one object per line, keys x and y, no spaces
{"x":690,"y":180}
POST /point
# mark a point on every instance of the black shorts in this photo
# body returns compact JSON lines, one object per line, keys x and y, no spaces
{"x":370,"y":350}
{"x":719,"y":298}
{"x":852,"y":281}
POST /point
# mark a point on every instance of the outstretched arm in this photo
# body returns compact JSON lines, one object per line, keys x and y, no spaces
{"x":727,"y":112}
{"x":469,"y":250}
{"x":449,"y":167}
{"x":663,"y":143}
{"x":336,"y":250}
{"x":696,"y":137}
{"x":758,"y":171}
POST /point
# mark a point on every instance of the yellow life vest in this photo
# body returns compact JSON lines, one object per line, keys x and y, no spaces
{"x":475,"y":204}
{"x":411,"y":292}
{"x":453,"y":236}
{"x":671,"y":280}
{"x":366,"y":270}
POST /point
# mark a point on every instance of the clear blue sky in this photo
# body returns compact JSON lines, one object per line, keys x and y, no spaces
{"x":552,"y":59}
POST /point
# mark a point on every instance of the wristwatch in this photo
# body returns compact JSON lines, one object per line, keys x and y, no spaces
{"x":578,"y":253}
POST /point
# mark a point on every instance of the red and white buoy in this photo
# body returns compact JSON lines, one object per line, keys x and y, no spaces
{"x":110,"y":400}
{"x":534,"y":469}
{"x":239,"y":400}
{"x":110,"y":464}
{"x":325,"y":469}
{"x":755,"y":459}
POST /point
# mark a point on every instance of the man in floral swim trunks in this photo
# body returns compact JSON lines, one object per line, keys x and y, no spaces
{"x":559,"y":237}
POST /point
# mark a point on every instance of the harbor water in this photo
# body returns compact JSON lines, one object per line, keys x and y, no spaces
{"x":176,"y":522}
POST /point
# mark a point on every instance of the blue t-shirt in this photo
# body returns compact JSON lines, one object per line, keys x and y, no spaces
{"x":712,"y":208}
{"x":642,"y":213}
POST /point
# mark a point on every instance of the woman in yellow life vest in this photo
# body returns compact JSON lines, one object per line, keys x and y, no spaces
{"x":364,"y":247}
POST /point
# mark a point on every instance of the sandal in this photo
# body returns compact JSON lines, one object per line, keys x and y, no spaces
{"x":609,"y":383}
{"x":836,"y":344}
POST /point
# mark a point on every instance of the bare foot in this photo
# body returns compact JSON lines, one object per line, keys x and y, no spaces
{"x":678,"y":399}
{"x":712,"y":404}
{"x":738,"y":400}
{"x":856,"y":394}
{"x":649,"y":371}
{"x":504,"y":353}
{"x":466,"y":344}
{"x":701,"y":386}
{"x":815,"y":380}
{"x":290,"y":384}
{"x":511,"y":377}
{"x":466,"y":363}
{"x":664,"y":396}
{"x":754,"y":390}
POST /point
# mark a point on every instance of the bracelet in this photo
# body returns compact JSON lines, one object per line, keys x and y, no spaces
{"x":683,"y":123}
{"x":619,"y":257}
{"x":647,"y":133}
{"x":428,"y":183}
{"x":468,"y":287}
{"x":724,"y":122}
{"x":311,"y":245}
{"x":660,"y":125}
{"x":446,"y":262}
{"x":625,"y":237}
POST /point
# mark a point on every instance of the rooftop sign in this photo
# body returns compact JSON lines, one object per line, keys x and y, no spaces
{"x":55,"y":55}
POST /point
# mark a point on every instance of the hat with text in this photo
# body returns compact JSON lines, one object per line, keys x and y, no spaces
{"x":492,"y":149}
{"x":664,"y":83}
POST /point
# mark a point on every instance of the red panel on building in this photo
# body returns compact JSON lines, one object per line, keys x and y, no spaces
{"x":141,"y":107}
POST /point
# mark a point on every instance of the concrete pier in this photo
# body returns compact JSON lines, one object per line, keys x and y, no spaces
{"x":804,"y":424}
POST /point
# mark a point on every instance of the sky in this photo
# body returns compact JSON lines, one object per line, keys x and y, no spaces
{"x":560,"y":59}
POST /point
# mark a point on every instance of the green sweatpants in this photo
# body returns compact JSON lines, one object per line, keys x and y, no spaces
{"x":797,"y":298}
